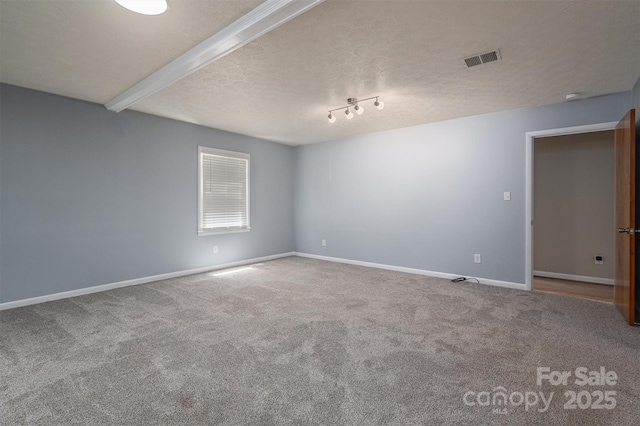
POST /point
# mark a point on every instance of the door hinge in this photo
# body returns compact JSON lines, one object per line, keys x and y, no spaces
{"x":630,"y":231}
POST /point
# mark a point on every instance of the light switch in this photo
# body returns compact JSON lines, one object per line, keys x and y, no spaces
{"x":507,"y":196}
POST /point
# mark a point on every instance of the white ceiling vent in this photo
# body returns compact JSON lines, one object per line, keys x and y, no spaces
{"x":482,"y":58}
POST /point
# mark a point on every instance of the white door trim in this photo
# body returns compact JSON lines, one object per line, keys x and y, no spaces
{"x":530,"y":137}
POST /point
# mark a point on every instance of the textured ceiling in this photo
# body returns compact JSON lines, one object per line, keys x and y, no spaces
{"x":95,"y":49}
{"x":280,"y":86}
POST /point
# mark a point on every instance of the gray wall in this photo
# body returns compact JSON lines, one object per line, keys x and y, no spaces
{"x":573,"y":204}
{"x":431,"y":196}
{"x":92,"y":197}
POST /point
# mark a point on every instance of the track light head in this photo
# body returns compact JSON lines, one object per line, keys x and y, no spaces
{"x":378,"y":104}
{"x":358,"y":109}
{"x":348,"y":113}
{"x":332,"y":118}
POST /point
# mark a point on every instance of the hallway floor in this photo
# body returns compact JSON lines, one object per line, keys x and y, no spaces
{"x":601,"y":292}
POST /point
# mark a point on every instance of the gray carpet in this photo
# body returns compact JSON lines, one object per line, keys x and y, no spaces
{"x":301,"y":341}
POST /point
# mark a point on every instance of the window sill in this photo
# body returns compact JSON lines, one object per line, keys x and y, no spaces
{"x":202,"y":233}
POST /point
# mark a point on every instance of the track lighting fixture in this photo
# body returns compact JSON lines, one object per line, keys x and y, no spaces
{"x":355,"y":104}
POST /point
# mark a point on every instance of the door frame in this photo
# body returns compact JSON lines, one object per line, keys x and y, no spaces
{"x":530,"y":139}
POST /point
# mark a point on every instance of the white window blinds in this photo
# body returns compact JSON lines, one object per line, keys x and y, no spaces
{"x":224,"y":191}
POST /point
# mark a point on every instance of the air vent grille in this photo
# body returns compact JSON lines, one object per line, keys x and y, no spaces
{"x":473,"y":61}
{"x":489,"y":57}
{"x":482,"y":58}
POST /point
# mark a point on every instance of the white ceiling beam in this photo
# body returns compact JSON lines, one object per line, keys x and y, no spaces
{"x":264,"y":18}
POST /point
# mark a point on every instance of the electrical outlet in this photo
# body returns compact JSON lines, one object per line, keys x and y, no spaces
{"x":599,"y":259}
{"x":477,"y":258}
{"x":507,"y":196}
{"x":215,"y":249}
{"x":324,"y":243}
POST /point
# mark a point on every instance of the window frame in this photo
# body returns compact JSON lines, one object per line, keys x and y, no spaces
{"x":205,"y":150}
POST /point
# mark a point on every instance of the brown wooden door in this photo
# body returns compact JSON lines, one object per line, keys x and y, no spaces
{"x":625,"y":194}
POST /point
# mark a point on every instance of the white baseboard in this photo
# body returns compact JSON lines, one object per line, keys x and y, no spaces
{"x":570,"y":277}
{"x":143,"y":280}
{"x":507,"y":284}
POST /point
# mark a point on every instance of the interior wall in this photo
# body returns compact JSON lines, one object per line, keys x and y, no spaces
{"x":431,"y":196}
{"x":92,"y":197}
{"x":573,"y":204}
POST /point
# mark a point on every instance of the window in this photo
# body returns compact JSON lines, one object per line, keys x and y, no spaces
{"x":223,"y":191}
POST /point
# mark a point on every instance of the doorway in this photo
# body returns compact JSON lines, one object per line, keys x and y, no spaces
{"x":529,"y":181}
{"x":573,"y":204}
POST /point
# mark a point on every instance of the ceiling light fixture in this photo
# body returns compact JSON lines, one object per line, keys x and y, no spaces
{"x":268,"y":15}
{"x":572,"y":96}
{"x":355,"y":104}
{"x":145,"y":7}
